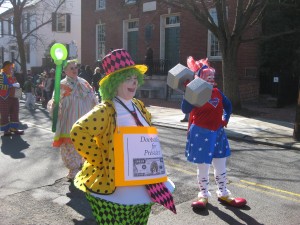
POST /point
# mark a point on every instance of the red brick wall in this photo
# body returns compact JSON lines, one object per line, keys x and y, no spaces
{"x":249,"y":90}
{"x":193,"y":37}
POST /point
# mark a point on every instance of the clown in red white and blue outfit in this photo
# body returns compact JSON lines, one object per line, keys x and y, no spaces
{"x":9,"y":105}
{"x":206,"y":139}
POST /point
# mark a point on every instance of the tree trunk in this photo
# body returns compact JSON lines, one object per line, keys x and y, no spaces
{"x":296,"y":133}
{"x":230,"y":77}
{"x":19,"y":38}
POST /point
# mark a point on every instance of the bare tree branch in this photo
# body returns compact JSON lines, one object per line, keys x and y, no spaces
{"x":21,"y":37}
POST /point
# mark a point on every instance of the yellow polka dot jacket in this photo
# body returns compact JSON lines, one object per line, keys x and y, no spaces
{"x":92,"y":136}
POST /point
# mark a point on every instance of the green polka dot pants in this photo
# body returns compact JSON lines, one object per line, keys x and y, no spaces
{"x":107,"y":213}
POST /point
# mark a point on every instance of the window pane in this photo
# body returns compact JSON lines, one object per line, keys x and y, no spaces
{"x":130,"y":1}
{"x":172,"y":20}
{"x":61,"y":22}
{"x":101,"y":4}
{"x":100,"y":41}
{"x":133,"y":24}
{"x":215,"y":48}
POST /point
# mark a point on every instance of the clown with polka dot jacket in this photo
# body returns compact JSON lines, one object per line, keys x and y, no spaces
{"x":206,"y":139}
{"x":93,"y":136}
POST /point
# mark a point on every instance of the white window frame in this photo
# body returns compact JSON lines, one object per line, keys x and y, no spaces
{"x":1,"y":30}
{"x":100,"y":4}
{"x":58,"y":17}
{"x":211,"y":39}
{"x":126,"y":29}
{"x":100,"y":43}
{"x":11,"y":24}
{"x":130,"y":2}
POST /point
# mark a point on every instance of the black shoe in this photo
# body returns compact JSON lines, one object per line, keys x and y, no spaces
{"x":184,"y":120}
{"x":7,"y":133}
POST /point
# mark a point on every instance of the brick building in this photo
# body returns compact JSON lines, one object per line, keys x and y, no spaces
{"x":173,"y":35}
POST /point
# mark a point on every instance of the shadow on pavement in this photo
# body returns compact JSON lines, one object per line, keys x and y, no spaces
{"x":227,"y":218}
{"x":243,"y":216}
{"x":13,"y":146}
{"x":79,"y":203}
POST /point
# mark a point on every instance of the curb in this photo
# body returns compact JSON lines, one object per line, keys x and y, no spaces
{"x":241,"y":137}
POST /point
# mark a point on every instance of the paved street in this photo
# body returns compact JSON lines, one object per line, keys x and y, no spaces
{"x":33,"y":189}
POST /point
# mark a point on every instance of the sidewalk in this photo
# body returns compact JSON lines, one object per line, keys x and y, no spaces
{"x":258,"y":130}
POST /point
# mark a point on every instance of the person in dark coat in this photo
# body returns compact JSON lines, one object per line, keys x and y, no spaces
{"x":149,"y":60}
{"x":95,"y":81}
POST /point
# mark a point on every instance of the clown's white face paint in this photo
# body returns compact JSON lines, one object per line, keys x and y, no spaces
{"x":208,"y":75}
{"x":210,"y":79}
{"x":127,"y":89}
{"x":71,"y":70}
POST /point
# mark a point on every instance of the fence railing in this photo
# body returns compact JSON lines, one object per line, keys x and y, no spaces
{"x":160,"y":66}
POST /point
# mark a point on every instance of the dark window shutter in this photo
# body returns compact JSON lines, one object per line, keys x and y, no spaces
{"x":68,"y":22}
{"x":2,"y":54}
{"x":28,"y":22}
{"x":68,"y":49}
{"x":27,"y":53}
{"x":9,"y":26}
{"x":53,"y":21}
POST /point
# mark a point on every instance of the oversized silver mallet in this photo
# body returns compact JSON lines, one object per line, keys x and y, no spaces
{"x":197,"y":92}
{"x":177,"y":77}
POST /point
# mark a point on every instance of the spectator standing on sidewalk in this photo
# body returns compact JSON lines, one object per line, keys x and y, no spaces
{"x":29,"y":74}
{"x":89,"y":74}
{"x":149,"y":60}
{"x":95,"y":83}
{"x":29,"y":92}
{"x":207,"y":142}
{"x":94,"y":138}
{"x":76,"y":99}
{"x":49,"y":86}
{"x":9,"y":104}
{"x":86,"y":73}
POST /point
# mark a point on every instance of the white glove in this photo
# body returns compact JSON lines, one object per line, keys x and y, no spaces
{"x":16,"y":85}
